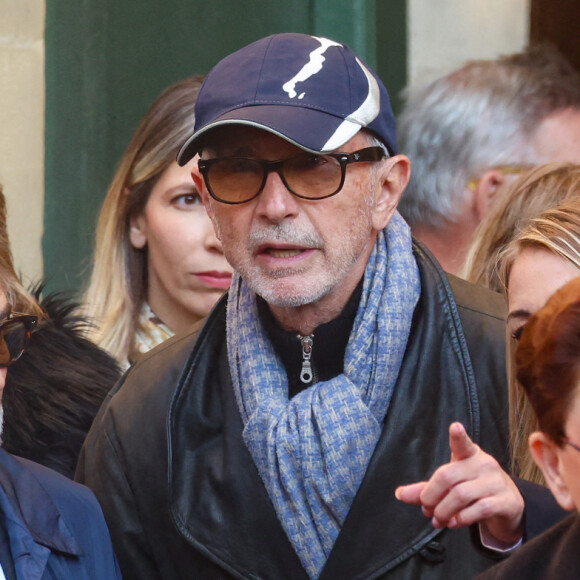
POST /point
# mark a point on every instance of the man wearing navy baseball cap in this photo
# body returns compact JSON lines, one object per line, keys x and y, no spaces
{"x":343,"y":363}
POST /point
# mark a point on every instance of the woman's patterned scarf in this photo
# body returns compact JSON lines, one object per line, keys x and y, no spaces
{"x":312,"y":451}
{"x":150,"y":332}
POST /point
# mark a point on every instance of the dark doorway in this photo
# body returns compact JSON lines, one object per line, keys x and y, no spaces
{"x":557,"y":22}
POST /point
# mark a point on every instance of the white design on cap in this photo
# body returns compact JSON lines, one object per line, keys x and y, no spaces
{"x":360,"y":118}
{"x":312,"y":67}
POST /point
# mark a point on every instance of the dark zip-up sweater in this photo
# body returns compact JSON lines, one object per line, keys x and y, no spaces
{"x":328,"y":348}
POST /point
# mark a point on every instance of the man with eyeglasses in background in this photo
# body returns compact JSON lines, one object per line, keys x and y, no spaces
{"x":50,"y":527}
{"x":470,"y":132}
{"x":271,"y":441}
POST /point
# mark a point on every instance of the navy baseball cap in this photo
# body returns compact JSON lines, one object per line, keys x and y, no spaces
{"x":311,"y":91}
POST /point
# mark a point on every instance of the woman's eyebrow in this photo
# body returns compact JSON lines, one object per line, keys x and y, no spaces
{"x":518,"y":314}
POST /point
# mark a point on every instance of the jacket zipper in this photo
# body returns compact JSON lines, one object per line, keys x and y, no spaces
{"x":307,"y":372}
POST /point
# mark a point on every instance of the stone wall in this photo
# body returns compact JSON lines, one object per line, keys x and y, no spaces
{"x":22,"y":128}
{"x":443,"y":34}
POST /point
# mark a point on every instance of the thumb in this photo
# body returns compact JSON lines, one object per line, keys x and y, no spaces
{"x":462,"y":447}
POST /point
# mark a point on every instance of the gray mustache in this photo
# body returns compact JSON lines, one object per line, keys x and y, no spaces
{"x":286,"y":234}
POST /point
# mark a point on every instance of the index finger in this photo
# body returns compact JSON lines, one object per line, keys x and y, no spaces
{"x":462,"y":447}
{"x":410,"y":493}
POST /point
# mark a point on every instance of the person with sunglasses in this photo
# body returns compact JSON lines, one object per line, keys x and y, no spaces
{"x":14,"y":333}
{"x":50,"y":526}
{"x":269,"y":443}
{"x":53,"y":393}
{"x":548,"y":370}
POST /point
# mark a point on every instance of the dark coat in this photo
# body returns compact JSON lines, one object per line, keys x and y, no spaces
{"x":54,"y":527}
{"x":184,"y":499}
{"x":553,"y":555}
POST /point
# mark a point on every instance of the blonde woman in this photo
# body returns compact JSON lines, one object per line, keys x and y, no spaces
{"x":544,"y":256}
{"x":158,"y":265}
{"x":547,"y":360}
{"x":538,"y":189}
{"x":489,"y":264}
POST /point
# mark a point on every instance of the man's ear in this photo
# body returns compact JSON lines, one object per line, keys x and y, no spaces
{"x":545,"y":454}
{"x":394,"y":177}
{"x":138,"y":231}
{"x":485,"y":191}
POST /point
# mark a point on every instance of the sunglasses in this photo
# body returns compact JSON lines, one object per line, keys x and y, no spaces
{"x":234,"y":180}
{"x":14,"y":334}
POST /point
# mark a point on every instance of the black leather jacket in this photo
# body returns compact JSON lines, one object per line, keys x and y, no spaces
{"x":183,"y":497}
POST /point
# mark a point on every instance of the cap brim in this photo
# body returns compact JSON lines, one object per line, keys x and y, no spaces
{"x":309,"y":129}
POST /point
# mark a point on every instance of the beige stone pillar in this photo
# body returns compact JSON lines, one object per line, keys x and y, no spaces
{"x":22,"y":128}
{"x":443,"y":34}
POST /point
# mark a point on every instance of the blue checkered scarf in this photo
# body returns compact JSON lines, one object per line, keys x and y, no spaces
{"x":313,"y":450}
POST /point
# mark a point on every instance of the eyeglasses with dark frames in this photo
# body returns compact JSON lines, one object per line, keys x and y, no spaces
{"x":311,"y":176}
{"x":14,"y":334}
{"x":505,"y":169}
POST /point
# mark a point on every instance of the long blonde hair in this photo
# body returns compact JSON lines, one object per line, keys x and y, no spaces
{"x":118,"y":283}
{"x":538,"y":189}
{"x":18,"y":297}
{"x":556,"y":230}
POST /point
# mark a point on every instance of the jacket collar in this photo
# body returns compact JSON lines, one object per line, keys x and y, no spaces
{"x":30,"y":511}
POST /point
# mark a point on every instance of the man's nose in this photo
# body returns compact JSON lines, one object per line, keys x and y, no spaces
{"x":276,"y":202}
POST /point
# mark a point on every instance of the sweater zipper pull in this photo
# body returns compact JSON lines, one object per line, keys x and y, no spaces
{"x":306,"y":375}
